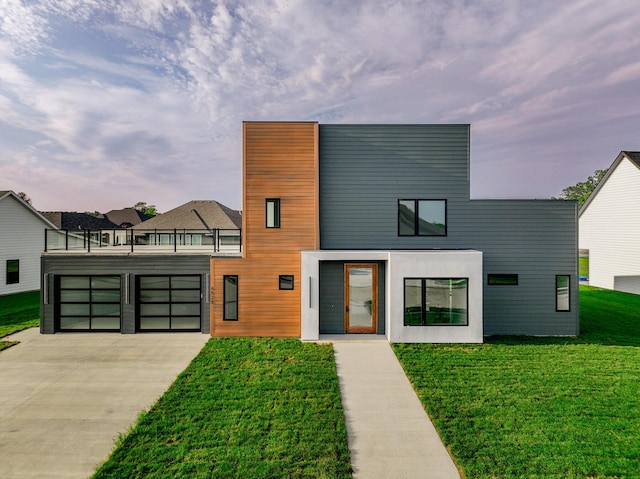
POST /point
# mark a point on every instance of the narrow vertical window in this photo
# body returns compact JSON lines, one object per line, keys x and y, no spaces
{"x":273,"y":212}
{"x":563,"y":297}
{"x":13,"y":271}
{"x":230,"y":298}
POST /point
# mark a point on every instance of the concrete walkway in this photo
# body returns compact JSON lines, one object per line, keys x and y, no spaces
{"x":65,"y":398}
{"x":390,"y":435}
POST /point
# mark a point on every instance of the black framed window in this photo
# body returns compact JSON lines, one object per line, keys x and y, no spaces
{"x":422,"y":217}
{"x":273,"y":212}
{"x":13,"y":271}
{"x":88,"y":303}
{"x":286,"y":282}
{"x":436,"y":301}
{"x":230,"y":298}
{"x":563,"y":292}
{"x":168,"y":302}
{"x":502,"y":279}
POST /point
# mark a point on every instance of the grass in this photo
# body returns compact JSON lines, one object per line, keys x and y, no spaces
{"x":540,"y":407}
{"x":583,"y":267}
{"x":17,"y":312}
{"x":246,"y":408}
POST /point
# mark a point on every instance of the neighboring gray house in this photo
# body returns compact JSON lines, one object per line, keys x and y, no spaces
{"x":21,"y":243}
{"x":150,"y":277}
{"x":610,"y":226}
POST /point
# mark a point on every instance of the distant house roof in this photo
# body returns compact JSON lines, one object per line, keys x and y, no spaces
{"x":632,"y":156}
{"x":126,"y":217}
{"x":197,"y":214}
{"x":69,"y":220}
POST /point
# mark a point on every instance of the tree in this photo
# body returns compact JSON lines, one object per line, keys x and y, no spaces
{"x":581,"y":190}
{"x":22,"y":195}
{"x":145,"y":209}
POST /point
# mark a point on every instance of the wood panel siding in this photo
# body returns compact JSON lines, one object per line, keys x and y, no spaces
{"x":280,"y":160}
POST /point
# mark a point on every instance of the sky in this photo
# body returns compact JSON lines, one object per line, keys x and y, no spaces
{"x":105,"y":103}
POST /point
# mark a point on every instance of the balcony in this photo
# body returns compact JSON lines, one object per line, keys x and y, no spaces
{"x":216,"y":242}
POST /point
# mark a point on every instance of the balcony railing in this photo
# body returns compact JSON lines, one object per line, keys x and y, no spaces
{"x":214,"y":241}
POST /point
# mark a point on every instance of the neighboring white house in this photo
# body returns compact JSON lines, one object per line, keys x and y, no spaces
{"x":21,"y":244}
{"x":610,"y":226}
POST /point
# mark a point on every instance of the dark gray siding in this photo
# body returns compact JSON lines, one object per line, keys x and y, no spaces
{"x":365,"y":169}
{"x":536,"y":240}
{"x":332,"y":297}
{"x":133,"y":265}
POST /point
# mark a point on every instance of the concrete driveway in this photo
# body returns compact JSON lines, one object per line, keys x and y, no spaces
{"x":65,"y":398}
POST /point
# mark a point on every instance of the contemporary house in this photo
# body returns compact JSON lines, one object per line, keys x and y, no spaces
{"x":21,"y":244}
{"x":371,"y":229}
{"x":150,"y":277}
{"x":610,"y":226}
{"x":346,"y":229}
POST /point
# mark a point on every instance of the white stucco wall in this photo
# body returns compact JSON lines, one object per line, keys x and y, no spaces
{"x":400,"y":265}
{"x":21,"y":238}
{"x":609,"y":227}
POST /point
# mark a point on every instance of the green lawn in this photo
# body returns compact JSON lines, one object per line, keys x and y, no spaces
{"x":583,"y":266}
{"x":244,"y":408}
{"x":17,"y":312}
{"x":536,"y":407}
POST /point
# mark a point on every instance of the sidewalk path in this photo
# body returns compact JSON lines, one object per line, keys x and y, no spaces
{"x":390,"y":435}
{"x":64,"y":398}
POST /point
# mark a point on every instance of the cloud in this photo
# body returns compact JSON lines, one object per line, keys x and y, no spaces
{"x":148,"y":96}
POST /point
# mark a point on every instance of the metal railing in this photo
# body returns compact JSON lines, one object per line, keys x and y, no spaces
{"x":147,"y":240}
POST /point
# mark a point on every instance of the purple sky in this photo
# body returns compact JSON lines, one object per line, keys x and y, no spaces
{"x":104,"y":103}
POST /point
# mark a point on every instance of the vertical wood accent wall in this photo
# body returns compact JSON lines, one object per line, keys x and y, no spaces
{"x":280,"y":160}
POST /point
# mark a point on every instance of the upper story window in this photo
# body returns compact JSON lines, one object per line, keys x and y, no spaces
{"x":422,"y":217}
{"x":273,"y":212}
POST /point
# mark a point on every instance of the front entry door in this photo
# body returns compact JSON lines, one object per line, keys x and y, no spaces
{"x":361,"y":298}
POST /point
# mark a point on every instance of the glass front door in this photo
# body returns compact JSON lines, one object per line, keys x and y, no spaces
{"x":361,"y":298}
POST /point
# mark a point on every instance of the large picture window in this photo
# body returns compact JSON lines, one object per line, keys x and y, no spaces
{"x":13,"y":271}
{"x":88,"y":303}
{"x":422,"y":217}
{"x":563,"y":297}
{"x":230,"y":298}
{"x":168,"y":303}
{"x":273,"y":212}
{"x":436,"y":301}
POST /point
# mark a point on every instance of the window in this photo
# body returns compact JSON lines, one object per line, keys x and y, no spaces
{"x":167,"y":303}
{"x":13,"y":271}
{"x":502,"y":279}
{"x":422,"y":217}
{"x":286,"y":281}
{"x":435,"y":301}
{"x":273,"y":212}
{"x":563,"y":302}
{"x":230,"y":298}
{"x":88,"y":303}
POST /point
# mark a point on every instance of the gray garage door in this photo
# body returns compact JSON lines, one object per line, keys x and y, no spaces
{"x":168,"y":303}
